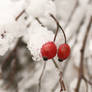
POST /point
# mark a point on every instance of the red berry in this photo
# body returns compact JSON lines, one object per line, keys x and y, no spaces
{"x":63,"y":51}
{"x":48,"y":50}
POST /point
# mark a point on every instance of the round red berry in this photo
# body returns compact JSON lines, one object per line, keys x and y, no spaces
{"x":48,"y":50}
{"x":63,"y":51}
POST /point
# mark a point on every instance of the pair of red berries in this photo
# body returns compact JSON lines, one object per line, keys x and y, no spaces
{"x":49,"y":51}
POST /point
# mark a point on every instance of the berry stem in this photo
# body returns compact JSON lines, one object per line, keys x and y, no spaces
{"x":61,"y":75}
{"x":59,"y":27}
{"x":41,"y":76}
{"x":54,"y":62}
{"x":56,"y":33}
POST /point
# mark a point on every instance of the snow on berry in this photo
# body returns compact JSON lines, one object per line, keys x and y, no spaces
{"x":37,"y":36}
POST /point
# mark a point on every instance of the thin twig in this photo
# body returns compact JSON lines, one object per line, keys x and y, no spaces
{"x":39,"y":21}
{"x":89,"y":82}
{"x":72,"y":13}
{"x":62,"y":83}
{"x":81,"y":71}
{"x":77,"y":30}
{"x":20,"y":14}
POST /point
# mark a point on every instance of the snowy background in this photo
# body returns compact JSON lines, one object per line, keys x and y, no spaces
{"x":21,"y":38}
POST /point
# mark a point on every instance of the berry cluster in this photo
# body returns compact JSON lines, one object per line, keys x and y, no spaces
{"x":49,"y":49}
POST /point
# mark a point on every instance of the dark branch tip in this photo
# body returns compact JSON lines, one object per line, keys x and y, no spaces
{"x":60,"y":60}
{"x":45,"y":58}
